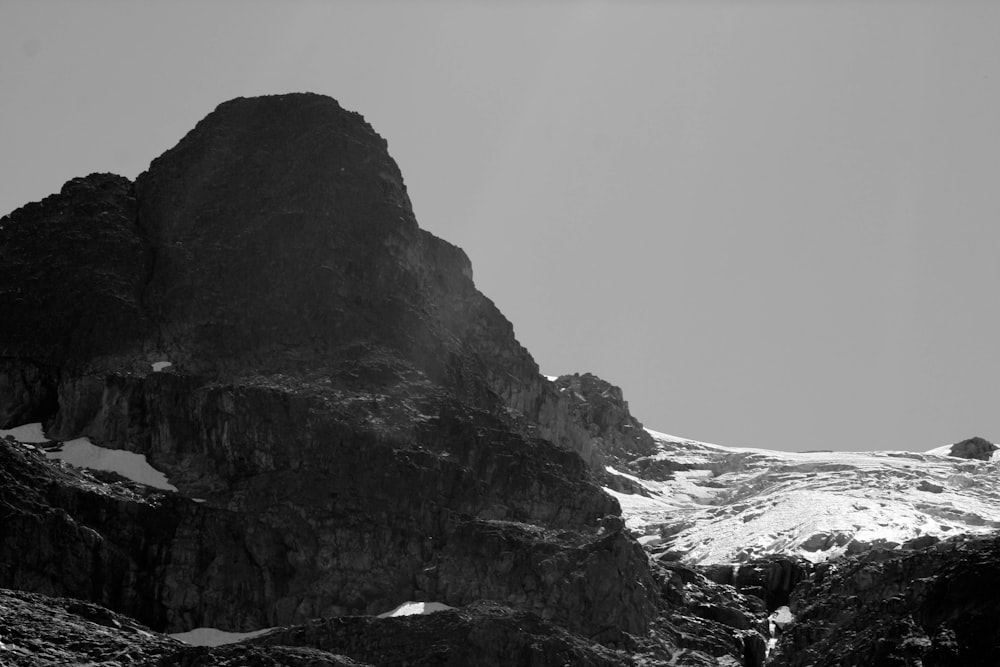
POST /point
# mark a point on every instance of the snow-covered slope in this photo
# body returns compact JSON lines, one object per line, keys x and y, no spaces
{"x":714,"y":504}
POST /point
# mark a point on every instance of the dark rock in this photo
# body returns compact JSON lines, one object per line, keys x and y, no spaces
{"x":601,"y":408}
{"x":973,"y":448}
{"x":772,"y":579}
{"x":176,"y":564}
{"x":38,"y":630}
{"x":485,"y":634}
{"x":929,"y":487}
{"x":576,"y":588}
{"x":936,"y":606}
{"x":241,"y":655}
{"x":28,"y":392}
{"x":704,"y":623}
{"x":72,"y":271}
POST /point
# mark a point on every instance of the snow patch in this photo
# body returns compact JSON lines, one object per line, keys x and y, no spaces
{"x":84,"y":454}
{"x":160,"y":365}
{"x":551,"y":378}
{"x":782,"y":616}
{"x":31,"y":433}
{"x":213,"y":637}
{"x":415,"y":608}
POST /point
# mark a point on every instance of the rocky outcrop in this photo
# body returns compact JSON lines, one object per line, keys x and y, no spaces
{"x":37,"y":630}
{"x":973,"y":448}
{"x":41,"y":631}
{"x":601,"y":408}
{"x":704,"y":623}
{"x":484,"y":634}
{"x":242,"y":655}
{"x":935,"y":606}
{"x":771,"y":579}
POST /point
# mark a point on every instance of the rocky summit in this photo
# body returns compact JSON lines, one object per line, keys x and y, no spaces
{"x":252,"y":414}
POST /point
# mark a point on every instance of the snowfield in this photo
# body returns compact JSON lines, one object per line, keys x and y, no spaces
{"x":714,"y":504}
{"x":213,"y":637}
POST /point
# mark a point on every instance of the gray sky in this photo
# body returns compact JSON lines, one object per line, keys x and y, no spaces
{"x":773,"y":224}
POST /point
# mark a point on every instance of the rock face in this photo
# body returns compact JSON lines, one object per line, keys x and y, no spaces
{"x":770,"y":579}
{"x":601,"y":407}
{"x":934,"y":606}
{"x":974,"y":448}
{"x":482,"y":634}
{"x":40,"y":631}
{"x":359,"y":420}
{"x":72,"y":270}
{"x":705,"y":623}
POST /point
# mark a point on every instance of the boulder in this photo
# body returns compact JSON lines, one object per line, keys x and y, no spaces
{"x":973,"y":448}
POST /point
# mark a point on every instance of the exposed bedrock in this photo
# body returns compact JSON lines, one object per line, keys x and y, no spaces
{"x":772,"y":579}
{"x":355,"y":531}
{"x":483,"y":634}
{"x":602,"y":409}
{"x":41,"y":631}
{"x":934,"y":606}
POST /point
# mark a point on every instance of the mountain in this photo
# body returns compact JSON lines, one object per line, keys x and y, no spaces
{"x":246,"y":398}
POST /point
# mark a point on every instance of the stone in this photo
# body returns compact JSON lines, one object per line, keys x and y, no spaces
{"x":973,"y":448}
{"x":40,"y":630}
{"x":929,"y":487}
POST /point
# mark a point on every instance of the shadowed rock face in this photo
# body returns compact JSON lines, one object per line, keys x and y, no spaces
{"x":72,"y":271}
{"x":771,"y":579}
{"x":360,"y":420}
{"x":282,"y":235}
{"x":935,"y":606}
{"x":39,"y":630}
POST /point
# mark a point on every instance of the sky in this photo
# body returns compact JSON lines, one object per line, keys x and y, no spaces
{"x":773,"y":224}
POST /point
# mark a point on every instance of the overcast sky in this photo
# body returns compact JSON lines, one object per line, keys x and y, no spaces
{"x":773,"y":224}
